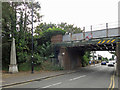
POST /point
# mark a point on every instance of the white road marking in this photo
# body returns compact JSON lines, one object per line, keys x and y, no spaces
{"x":95,"y":66}
{"x":52,"y":85}
{"x":77,"y":78}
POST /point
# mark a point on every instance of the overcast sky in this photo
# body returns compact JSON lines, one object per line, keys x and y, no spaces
{"x":81,"y":13}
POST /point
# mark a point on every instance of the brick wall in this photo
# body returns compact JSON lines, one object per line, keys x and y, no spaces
{"x":57,"y":38}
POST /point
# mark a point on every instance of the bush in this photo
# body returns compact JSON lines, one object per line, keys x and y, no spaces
{"x":23,"y":57}
{"x":27,"y":67}
{"x":86,"y":60}
{"x":47,"y":65}
{"x":38,"y":60}
{"x":24,"y":67}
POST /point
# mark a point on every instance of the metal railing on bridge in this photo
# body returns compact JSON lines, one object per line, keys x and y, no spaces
{"x":110,"y":30}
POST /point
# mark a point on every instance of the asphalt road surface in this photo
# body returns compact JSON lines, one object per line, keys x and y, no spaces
{"x":98,"y":76}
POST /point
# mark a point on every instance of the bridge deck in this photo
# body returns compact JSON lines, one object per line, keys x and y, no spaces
{"x":102,"y":44}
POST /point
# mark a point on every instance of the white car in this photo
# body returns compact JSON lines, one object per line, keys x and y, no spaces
{"x":111,"y":64}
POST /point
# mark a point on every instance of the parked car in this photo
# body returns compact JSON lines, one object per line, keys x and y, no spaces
{"x":107,"y":61}
{"x":111,"y":64}
{"x":103,"y":63}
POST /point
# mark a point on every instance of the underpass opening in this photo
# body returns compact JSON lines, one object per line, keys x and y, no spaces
{"x":70,"y":54}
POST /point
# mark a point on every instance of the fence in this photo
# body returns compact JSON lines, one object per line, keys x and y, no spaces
{"x":104,"y":32}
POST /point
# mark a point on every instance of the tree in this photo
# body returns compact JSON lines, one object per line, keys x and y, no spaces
{"x":6,"y":31}
{"x":70,"y":28}
{"x":43,"y":33}
{"x":86,"y":58}
{"x":43,"y":27}
{"x":46,"y":35}
{"x":42,"y":42}
{"x":16,"y":22}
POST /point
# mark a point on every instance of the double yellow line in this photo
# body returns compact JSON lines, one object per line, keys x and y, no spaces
{"x":112,"y":83}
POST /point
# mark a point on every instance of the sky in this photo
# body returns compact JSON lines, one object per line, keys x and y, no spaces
{"x":81,"y":13}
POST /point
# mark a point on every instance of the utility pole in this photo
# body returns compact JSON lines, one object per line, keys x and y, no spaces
{"x":93,"y":55}
{"x":32,"y":63}
{"x":83,"y":33}
{"x":106,"y":29}
{"x":91,"y":29}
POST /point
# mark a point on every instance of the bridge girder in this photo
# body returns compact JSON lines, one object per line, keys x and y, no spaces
{"x":92,"y":44}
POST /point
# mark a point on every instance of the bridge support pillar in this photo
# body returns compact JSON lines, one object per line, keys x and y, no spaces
{"x":118,"y":62}
{"x":118,"y":59}
{"x":118,"y":48}
{"x":70,"y":58}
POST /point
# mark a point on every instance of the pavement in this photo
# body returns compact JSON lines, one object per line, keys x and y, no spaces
{"x":9,"y":79}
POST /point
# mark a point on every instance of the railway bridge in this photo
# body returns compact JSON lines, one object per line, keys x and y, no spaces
{"x":70,"y":49}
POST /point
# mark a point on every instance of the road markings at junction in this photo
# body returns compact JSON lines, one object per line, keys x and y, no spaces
{"x":77,"y":78}
{"x":52,"y":85}
{"x":112,"y":83}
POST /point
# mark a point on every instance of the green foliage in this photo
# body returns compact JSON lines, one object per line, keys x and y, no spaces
{"x":16,"y":21}
{"x":86,"y":58}
{"x":104,"y":59}
{"x":43,"y":27}
{"x":24,"y":67}
{"x":6,"y":30}
{"x":46,"y":35}
{"x":54,"y":31}
{"x":37,"y":68}
{"x":23,"y":57}
{"x":49,"y":66}
{"x":114,"y":53}
{"x":70,"y":28}
{"x":38,"y":60}
{"x":27,"y":67}
{"x":45,"y":49}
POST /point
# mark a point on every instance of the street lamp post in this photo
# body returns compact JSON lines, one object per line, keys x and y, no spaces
{"x":32,"y":64}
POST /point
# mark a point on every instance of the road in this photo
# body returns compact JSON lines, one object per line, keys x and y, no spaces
{"x":98,"y":76}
